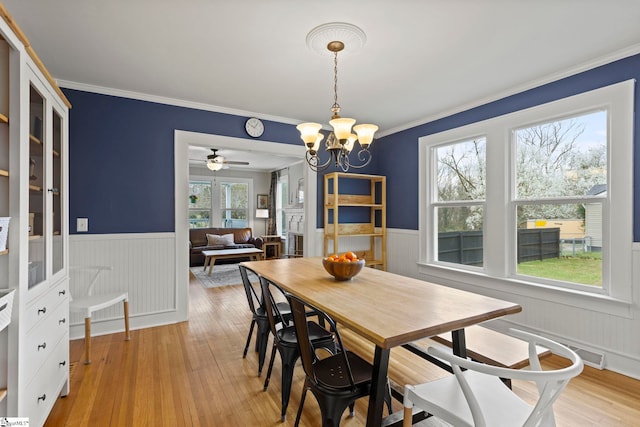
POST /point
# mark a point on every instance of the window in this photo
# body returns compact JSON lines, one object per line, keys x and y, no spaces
{"x":458,"y":208}
{"x":560,"y":176}
{"x":199,"y":204}
{"x":534,"y":201}
{"x":219,"y":202}
{"x":282,"y":192}
{"x":234,"y":204}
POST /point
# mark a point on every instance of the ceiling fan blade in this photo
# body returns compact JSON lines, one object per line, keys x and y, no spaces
{"x":231,"y":162}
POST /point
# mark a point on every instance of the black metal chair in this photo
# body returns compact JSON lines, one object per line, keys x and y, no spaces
{"x":336,"y":381}
{"x":257,"y":307}
{"x":286,"y":343}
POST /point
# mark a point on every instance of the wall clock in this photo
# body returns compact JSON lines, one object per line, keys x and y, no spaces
{"x":254,"y":127}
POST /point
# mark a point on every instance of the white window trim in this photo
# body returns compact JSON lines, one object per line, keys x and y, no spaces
{"x":617,"y":223}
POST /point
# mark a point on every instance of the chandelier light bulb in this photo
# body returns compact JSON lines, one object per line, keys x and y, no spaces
{"x":309,"y":133}
{"x":365,"y":134}
{"x":342,"y":127}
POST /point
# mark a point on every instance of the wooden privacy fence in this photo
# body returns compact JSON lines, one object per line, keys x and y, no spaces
{"x":465,"y":247}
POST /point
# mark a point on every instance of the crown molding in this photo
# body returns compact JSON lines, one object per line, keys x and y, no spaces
{"x":171,"y":101}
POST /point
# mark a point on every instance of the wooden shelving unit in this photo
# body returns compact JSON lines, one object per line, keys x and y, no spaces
{"x":347,"y":196}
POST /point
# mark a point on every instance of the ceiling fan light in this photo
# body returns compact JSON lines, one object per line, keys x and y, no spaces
{"x":342,"y":127}
{"x":309,"y":133}
{"x":213,"y":165}
{"x":365,"y":134}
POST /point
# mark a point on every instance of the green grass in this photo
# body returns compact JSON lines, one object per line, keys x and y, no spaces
{"x":585,"y":269}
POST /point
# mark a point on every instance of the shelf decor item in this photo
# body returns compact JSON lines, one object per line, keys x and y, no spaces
{"x":4,"y":232}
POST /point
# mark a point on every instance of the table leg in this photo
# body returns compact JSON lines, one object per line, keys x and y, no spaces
{"x":459,"y":343}
{"x":212,"y":261}
{"x":206,"y":261}
{"x":378,"y":387}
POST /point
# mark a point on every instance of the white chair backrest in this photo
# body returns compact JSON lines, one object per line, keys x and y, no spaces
{"x":87,"y":277}
{"x":550,"y":383}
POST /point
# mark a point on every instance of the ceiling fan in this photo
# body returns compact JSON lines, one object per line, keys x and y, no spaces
{"x":215,"y":162}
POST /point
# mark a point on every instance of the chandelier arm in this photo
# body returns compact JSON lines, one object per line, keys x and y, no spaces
{"x":363,"y":156}
{"x":313,"y":161}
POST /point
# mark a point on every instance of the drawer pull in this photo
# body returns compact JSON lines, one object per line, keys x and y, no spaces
{"x":3,"y":306}
{"x":42,"y":310}
{"x":61,"y":321}
{"x":62,"y":292}
{"x":43,"y":398}
{"x":63,"y":363}
{"x":42,"y":346}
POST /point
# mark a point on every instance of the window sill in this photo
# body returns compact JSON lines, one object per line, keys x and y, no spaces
{"x":475,"y":281}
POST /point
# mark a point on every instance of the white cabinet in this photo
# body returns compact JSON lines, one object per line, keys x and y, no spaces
{"x":34,"y":353}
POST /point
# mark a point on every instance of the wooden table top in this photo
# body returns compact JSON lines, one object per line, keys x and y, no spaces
{"x":386,"y":308}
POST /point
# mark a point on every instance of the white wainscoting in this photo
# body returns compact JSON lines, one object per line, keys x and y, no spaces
{"x":144,"y":265}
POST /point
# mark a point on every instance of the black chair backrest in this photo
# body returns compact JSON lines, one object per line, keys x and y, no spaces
{"x":307,"y":354}
{"x":255,"y":301}
{"x":273,"y":313}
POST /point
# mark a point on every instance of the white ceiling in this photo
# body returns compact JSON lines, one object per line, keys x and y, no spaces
{"x":422,"y":58}
{"x":258,"y":161}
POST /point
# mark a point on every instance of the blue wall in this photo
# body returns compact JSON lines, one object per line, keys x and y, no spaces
{"x":400,"y":150}
{"x":121,"y":152}
{"x":121,"y":158}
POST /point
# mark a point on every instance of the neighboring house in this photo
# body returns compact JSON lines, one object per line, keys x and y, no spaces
{"x":593,"y":219}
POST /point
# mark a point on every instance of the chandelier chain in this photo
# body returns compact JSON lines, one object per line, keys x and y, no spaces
{"x":336,"y":106}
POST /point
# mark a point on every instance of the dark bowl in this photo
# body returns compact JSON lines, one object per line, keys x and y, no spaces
{"x":343,"y":270}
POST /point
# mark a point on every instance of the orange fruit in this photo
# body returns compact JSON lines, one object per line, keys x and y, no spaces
{"x":351,"y":256}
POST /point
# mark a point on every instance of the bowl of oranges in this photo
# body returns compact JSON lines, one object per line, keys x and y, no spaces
{"x":344,"y":266}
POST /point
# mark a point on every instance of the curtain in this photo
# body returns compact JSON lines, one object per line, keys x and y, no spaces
{"x":271,"y":222}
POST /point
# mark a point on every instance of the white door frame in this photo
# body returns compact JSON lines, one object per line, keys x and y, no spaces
{"x":182,"y":140}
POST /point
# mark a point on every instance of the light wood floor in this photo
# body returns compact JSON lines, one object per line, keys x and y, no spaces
{"x":193,"y":374}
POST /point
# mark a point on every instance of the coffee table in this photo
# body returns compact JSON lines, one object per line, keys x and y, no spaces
{"x":210,"y":257}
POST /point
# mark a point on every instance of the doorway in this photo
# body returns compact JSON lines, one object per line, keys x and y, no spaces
{"x":182,"y":140}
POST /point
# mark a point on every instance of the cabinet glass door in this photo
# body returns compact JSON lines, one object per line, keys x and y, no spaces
{"x":37,"y":208}
{"x":57,"y":214}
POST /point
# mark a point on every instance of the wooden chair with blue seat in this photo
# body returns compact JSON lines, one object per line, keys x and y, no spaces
{"x":475,"y":396}
{"x":87,"y":301}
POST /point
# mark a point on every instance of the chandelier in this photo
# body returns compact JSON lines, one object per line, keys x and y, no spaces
{"x":341,"y":141}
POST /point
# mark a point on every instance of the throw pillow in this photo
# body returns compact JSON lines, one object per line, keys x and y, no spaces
{"x":214,"y":239}
{"x":228,"y":239}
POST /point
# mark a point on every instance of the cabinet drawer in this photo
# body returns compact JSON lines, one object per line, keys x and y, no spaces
{"x":41,"y":341}
{"x":43,"y":391}
{"x":40,"y":309}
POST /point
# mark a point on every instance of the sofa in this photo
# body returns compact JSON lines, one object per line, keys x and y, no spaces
{"x":198,"y":242}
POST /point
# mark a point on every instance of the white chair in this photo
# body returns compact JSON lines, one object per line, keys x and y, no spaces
{"x":87,"y":303}
{"x":477,"y":397}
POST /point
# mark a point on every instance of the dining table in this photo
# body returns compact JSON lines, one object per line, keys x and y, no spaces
{"x":387,"y":309}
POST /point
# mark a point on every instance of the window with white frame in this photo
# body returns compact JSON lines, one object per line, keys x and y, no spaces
{"x":199,"y":204}
{"x":282,"y":194}
{"x":234,"y":204}
{"x":540,"y":198}
{"x":221,"y":202}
